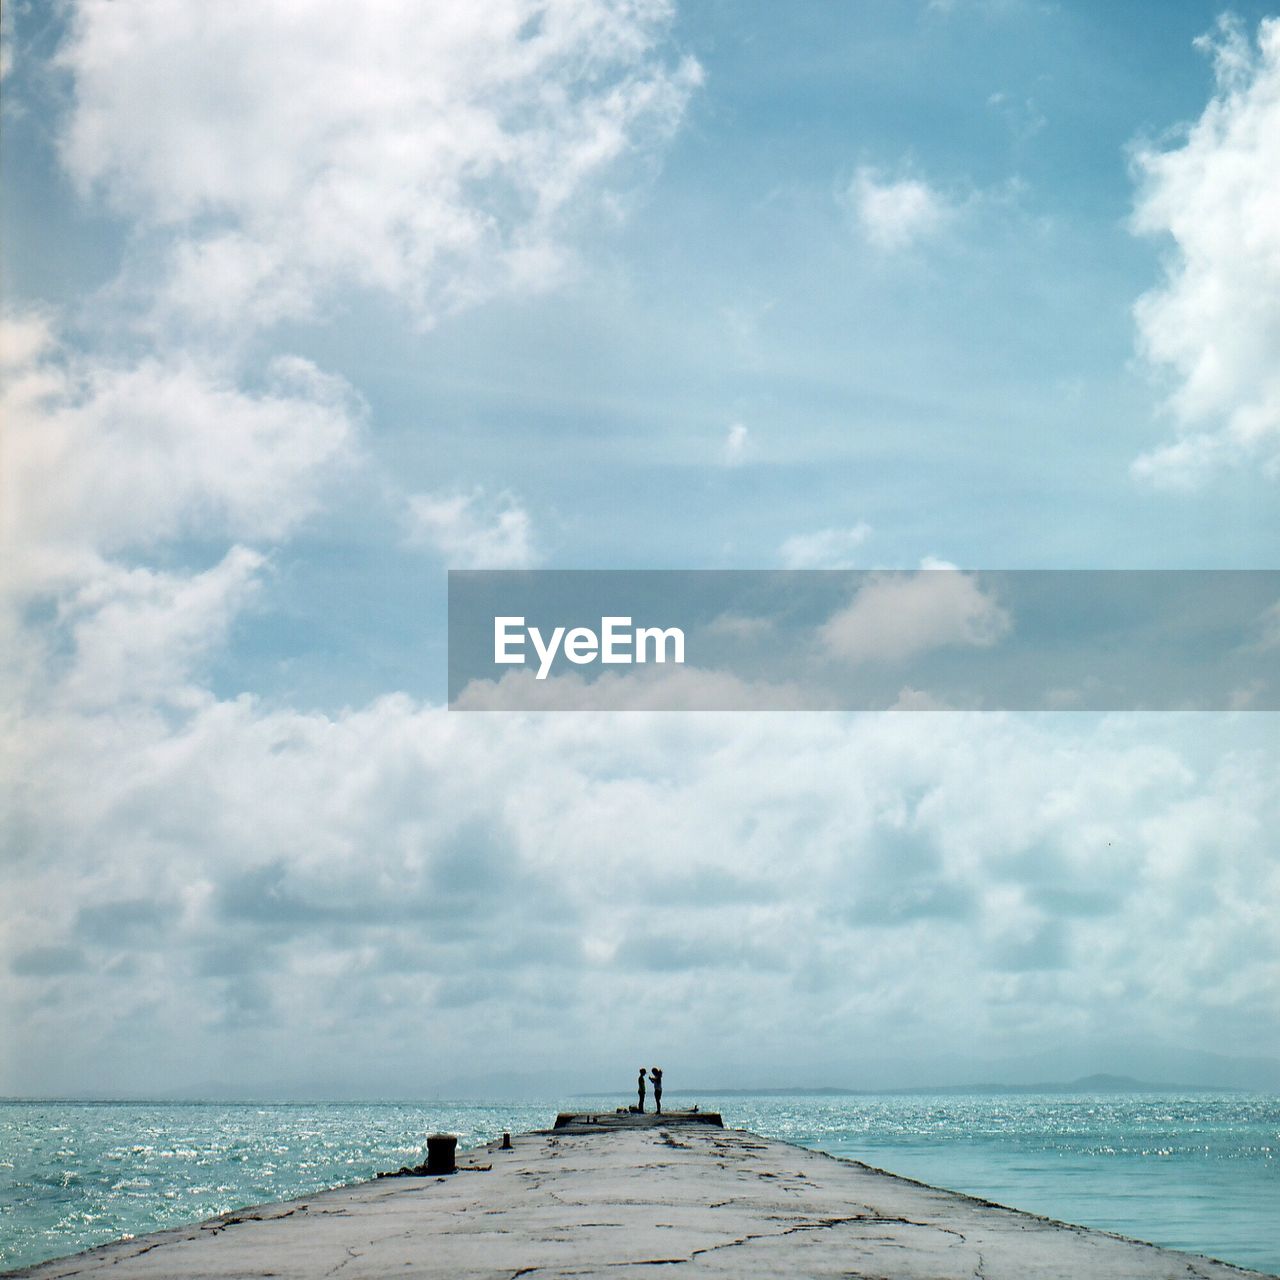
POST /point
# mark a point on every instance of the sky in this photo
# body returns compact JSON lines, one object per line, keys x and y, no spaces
{"x":307,"y":303}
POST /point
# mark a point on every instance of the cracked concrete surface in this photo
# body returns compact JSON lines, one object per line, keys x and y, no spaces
{"x":631,"y":1203}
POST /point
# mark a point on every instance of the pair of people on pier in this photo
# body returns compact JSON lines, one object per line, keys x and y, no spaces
{"x":655,"y":1075}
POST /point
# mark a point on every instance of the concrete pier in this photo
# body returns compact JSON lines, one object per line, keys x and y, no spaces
{"x":635,"y":1198}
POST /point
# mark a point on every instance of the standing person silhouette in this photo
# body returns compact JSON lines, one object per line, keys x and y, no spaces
{"x":655,"y":1074}
{"x":640,"y":1087}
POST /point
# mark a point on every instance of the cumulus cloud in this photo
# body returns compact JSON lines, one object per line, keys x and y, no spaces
{"x":435,"y":152}
{"x":894,"y":214}
{"x":897,"y":616}
{"x":825,"y":549}
{"x":104,"y":456}
{"x":108,"y":463}
{"x":1213,"y":325}
{"x":255,"y":887}
{"x":472,"y":531}
{"x":138,"y":635}
{"x":24,"y":337}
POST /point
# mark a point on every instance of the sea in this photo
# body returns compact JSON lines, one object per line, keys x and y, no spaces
{"x":1193,"y":1171}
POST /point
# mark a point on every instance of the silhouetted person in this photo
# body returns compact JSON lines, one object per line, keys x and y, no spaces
{"x":655,"y":1074}
{"x":640,"y":1087}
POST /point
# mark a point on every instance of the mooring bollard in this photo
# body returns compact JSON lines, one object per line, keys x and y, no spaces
{"x":440,"y":1153}
{"x":506,"y":1142}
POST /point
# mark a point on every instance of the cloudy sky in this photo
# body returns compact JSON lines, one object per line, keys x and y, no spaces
{"x":306,"y":302}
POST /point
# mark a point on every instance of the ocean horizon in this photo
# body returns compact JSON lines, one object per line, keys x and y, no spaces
{"x":1189,"y":1170}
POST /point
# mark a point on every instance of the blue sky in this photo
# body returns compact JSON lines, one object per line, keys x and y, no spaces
{"x":975,"y":394}
{"x":301,"y":312}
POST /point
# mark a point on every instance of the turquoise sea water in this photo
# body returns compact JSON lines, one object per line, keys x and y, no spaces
{"x":1198,"y":1172}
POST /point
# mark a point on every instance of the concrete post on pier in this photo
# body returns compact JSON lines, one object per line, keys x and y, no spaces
{"x":441,"y":1149}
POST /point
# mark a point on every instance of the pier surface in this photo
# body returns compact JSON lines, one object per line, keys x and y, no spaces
{"x":624,"y":1118}
{"x":625,"y":1200}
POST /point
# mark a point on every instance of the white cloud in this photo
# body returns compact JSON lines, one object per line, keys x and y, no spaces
{"x":895,"y":214}
{"x":102,"y":457}
{"x":407,"y":882}
{"x":1214,"y":323}
{"x":825,"y":549}
{"x":140,"y":635}
{"x":24,"y":338}
{"x":471,"y":531}
{"x":896,"y":616}
{"x":107,"y":464}
{"x":438,"y":152}
{"x":733,"y":452}
{"x":6,"y":41}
